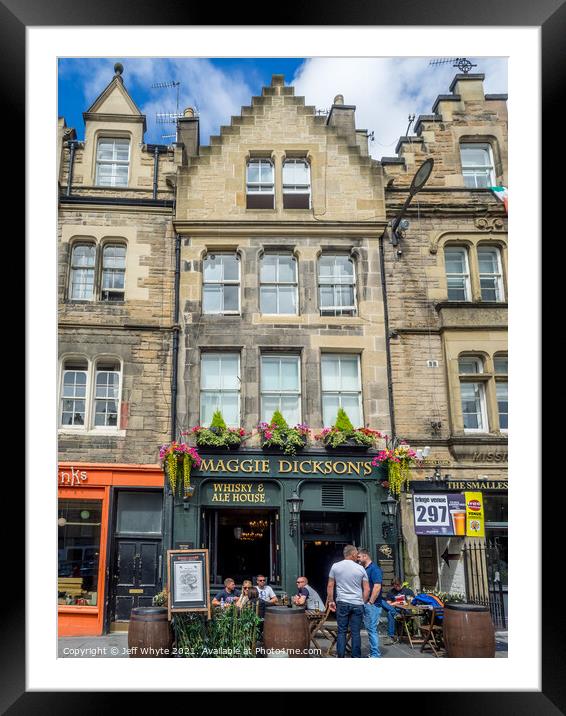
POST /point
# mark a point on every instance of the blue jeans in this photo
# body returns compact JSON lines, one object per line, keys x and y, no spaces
{"x":349,"y":615}
{"x":372,"y":612}
{"x":391,"y":612}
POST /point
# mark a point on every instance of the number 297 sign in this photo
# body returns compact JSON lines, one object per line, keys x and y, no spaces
{"x":432,"y":515}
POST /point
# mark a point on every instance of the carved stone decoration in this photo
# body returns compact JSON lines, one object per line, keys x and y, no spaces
{"x":485,"y":224}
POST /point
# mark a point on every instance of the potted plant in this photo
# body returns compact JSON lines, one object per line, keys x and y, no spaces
{"x":177,"y":460}
{"x":218,"y":435}
{"x":397,"y":462}
{"x":343,"y":434}
{"x":277,"y":435}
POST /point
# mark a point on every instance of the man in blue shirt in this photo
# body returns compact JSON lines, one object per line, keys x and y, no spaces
{"x":372,"y":608}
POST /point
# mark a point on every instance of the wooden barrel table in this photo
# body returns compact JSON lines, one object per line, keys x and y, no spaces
{"x":286,"y":629}
{"x":468,"y":631}
{"x":149,"y":633}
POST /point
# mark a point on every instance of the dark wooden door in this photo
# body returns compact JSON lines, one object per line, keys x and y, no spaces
{"x":137,"y":575}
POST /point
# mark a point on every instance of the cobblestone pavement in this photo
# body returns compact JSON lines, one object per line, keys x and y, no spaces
{"x":115,"y":645}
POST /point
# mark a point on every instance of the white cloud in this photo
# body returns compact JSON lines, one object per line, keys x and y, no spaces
{"x":387,"y":90}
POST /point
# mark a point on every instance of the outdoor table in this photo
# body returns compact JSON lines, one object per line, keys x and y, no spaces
{"x":407,"y":614}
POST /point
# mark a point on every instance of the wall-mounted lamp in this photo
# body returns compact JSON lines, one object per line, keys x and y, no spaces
{"x":294,"y":503}
{"x":419,"y":180}
{"x":389,"y":509}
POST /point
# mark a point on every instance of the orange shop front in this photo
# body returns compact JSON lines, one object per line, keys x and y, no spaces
{"x":99,"y":514}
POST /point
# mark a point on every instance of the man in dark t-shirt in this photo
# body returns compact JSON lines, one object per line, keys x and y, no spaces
{"x":397,"y":589}
{"x":228,"y":595}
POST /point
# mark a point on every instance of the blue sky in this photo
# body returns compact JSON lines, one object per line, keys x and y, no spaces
{"x":384,"y":90}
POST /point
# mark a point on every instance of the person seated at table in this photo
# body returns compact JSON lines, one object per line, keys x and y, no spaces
{"x":228,"y":595}
{"x":266,"y":593}
{"x":245,"y":595}
{"x":307,"y":595}
{"x":388,"y":605}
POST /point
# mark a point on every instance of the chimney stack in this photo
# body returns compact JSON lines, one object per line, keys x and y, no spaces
{"x":188,"y":134}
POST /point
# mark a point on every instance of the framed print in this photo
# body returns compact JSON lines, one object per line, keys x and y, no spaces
{"x":188,"y":580}
{"x":35,"y":675}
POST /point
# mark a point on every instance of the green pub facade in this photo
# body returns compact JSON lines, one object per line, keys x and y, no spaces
{"x":242,"y":512}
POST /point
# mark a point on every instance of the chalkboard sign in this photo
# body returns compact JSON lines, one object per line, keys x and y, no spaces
{"x":188,"y":581}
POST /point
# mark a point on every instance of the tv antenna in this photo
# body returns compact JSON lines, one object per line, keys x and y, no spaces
{"x":168,"y":117}
{"x":462,"y":63}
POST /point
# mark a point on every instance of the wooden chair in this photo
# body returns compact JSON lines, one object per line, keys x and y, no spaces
{"x":317,"y":626}
{"x":331,"y":632}
{"x":432,"y":632}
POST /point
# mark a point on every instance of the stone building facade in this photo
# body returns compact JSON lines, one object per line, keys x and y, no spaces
{"x":115,"y":318}
{"x":447,"y":298}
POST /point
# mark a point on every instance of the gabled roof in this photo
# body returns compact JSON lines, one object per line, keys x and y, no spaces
{"x":114,"y":100}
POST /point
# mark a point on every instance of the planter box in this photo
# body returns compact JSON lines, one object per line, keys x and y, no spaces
{"x":215,"y":450}
{"x":349,"y":445}
{"x":277,"y":448}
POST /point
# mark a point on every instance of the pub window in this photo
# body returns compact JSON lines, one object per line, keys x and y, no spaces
{"x":472,"y":394}
{"x":79,"y":525}
{"x":112,"y":161}
{"x":83,"y":264}
{"x":278,"y":284}
{"x":113,"y":272}
{"x":491,"y":275}
{"x":220,"y":387}
{"x":260,"y":185}
{"x":221,"y":288}
{"x":74,"y":393}
{"x":280,"y":387}
{"x":477,"y":165}
{"x":296,"y":184}
{"x":457,"y":273}
{"x":337,"y":285}
{"x":341,"y":388}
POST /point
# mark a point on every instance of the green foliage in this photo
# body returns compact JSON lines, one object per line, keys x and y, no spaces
{"x":278,"y":421}
{"x":230,"y":633}
{"x":218,"y":421}
{"x":343,"y":422}
{"x":447,"y":597}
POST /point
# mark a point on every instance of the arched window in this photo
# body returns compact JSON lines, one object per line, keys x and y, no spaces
{"x":113,"y":272}
{"x":107,"y":394}
{"x":457,"y":273}
{"x":336,"y":285}
{"x":83,"y":264}
{"x":472,"y":393}
{"x":74,"y":393}
{"x":477,"y":165}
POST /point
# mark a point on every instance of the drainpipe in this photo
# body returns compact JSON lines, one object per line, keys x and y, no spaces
{"x":72,"y":144}
{"x":155,"y":170}
{"x":176,"y":329}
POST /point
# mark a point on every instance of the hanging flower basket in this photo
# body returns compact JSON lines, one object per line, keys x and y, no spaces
{"x":177,"y":460}
{"x":398,"y":462}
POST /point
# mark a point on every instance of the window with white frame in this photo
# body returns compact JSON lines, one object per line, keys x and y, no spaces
{"x":457,"y":273}
{"x":90,"y":394}
{"x":278,"y":284}
{"x":221,"y":283}
{"x":472,"y":394}
{"x":83,"y":265}
{"x":113,"y":272}
{"x":220,"y":387}
{"x":500,"y":363}
{"x":490,"y":273}
{"x":341,"y":388}
{"x":296,"y":184}
{"x":260,"y":184}
{"x":74,"y":393}
{"x":477,"y":165}
{"x":106,"y":394}
{"x":112,"y":161}
{"x":281,"y":387}
{"x":337,"y":285}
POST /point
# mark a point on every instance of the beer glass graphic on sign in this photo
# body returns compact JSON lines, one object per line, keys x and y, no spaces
{"x":459,"y":521}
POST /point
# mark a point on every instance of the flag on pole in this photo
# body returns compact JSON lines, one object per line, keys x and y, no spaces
{"x":501,"y":193}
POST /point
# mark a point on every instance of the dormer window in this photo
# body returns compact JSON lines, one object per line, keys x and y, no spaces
{"x":260,"y":184}
{"x":112,"y":161}
{"x":296,"y":184}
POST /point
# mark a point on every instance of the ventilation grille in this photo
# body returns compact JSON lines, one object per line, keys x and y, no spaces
{"x":332,"y":495}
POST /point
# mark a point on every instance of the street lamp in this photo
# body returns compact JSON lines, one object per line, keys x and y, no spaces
{"x":417,"y":183}
{"x":389,"y":511}
{"x":294,"y":503}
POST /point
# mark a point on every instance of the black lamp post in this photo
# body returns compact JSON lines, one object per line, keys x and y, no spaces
{"x":389,"y":509}
{"x":294,"y":503}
